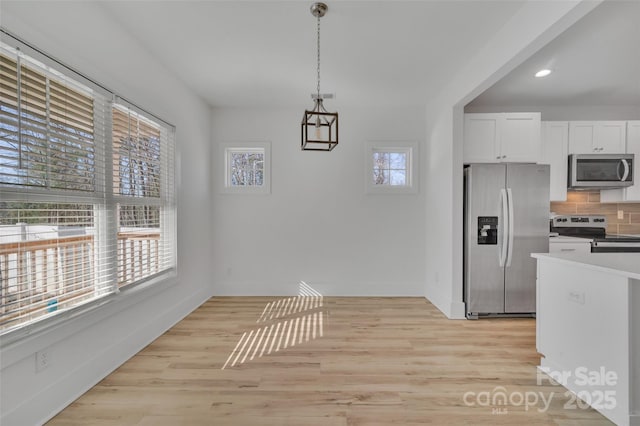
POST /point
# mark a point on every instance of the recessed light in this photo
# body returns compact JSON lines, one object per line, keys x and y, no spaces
{"x":543,"y":73}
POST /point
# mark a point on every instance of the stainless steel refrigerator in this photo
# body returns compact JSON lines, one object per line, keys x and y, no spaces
{"x":506,"y":218}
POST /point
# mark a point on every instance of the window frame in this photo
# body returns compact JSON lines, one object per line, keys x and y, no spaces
{"x":105,"y":203}
{"x":165,"y":200}
{"x":226,"y":151}
{"x":410,"y":148}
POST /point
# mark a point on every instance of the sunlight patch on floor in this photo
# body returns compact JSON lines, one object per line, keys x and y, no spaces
{"x":307,"y":299}
{"x":294,"y":320}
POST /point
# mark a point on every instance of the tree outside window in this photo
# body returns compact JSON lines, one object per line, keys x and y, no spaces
{"x":246,"y":168}
{"x":391,"y":167}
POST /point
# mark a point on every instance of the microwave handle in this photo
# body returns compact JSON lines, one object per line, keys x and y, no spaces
{"x":625,"y":163}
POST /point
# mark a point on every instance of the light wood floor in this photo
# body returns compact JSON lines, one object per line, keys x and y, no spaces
{"x":352,"y":361}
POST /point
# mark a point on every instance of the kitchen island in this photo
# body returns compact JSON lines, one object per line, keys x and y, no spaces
{"x":588,"y":329}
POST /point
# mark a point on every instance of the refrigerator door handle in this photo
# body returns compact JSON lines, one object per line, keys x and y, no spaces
{"x":505,"y":227}
{"x":511,"y":226}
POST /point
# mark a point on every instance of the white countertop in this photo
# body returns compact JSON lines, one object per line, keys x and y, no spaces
{"x":564,"y":239}
{"x":625,"y":264}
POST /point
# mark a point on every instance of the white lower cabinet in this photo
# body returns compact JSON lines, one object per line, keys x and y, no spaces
{"x":559,"y":246}
{"x":587,"y":324}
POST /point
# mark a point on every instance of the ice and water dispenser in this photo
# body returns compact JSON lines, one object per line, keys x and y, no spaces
{"x":487,"y":230}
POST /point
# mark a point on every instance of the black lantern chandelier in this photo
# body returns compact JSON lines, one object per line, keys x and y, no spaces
{"x":319,"y":127}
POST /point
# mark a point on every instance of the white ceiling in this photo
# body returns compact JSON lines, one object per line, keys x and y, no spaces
{"x":263,"y":53}
{"x":595,"y":62}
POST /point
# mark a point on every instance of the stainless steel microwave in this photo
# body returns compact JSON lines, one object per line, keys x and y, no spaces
{"x":600,"y":171}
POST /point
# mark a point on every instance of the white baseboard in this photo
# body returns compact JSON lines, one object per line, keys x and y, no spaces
{"x":458,"y":310}
{"x":338,"y":289}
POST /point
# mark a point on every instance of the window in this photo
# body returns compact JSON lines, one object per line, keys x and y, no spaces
{"x":246,"y":167}
{"x":48,"y":129}
{"x":143,"y":194}
{"x":86,"y":188}
{"x":136,"y":155}
{"x":390,"y":167}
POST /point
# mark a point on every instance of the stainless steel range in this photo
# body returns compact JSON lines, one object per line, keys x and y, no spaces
{"x":594,"y":227}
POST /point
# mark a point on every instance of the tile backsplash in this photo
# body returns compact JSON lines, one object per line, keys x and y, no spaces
{"x":585,"y":202}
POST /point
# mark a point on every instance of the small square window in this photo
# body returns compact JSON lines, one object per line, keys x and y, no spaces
{"x":390,"y":167}
{"x":246,"y":168}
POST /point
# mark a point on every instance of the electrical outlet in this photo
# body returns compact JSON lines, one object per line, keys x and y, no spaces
{"x":43,"y":359}
{"x":577,"y":297}
{"x":620,"y":214}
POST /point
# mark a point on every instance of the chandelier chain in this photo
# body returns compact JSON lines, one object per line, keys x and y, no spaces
{"x":318,"y":35}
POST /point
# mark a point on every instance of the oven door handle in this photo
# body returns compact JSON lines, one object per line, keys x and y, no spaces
{"x":625,"y":175}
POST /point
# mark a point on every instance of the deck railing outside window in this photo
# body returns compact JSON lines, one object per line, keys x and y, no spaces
{"x":37,"y":277}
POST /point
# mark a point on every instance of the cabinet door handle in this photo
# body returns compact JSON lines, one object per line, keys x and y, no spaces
{"x":567,"y":249}
{"x":498,"y":157}
{"x":504,"y":156}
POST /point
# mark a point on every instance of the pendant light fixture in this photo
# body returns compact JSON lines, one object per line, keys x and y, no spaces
{"x":319,"y":127}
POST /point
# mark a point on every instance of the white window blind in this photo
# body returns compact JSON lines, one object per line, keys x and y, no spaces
{"x":87,"y":200}
{"x":50,"y":260}
{"x":136,"y":155}
{"x":143,"y":176}
{"x":49,"y":128}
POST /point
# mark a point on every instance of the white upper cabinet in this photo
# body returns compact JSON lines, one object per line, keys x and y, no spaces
{"x":597,"y":137}
{"x":481,"y":138}
{"x":502,"y":137}
{"x":630,"y":193}
{"x":555,"y":147}
{"x":521,"y":137}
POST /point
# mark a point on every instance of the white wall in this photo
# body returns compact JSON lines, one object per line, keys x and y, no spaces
{"x":318,"y":225}
{"x":85,"y":349}
{"x":535,"y":24}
